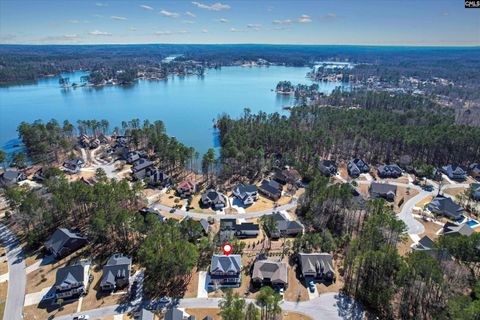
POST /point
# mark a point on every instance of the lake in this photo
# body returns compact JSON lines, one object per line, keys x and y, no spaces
{"x":187,"y":105}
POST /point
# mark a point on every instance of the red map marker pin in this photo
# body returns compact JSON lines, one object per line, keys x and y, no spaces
{"x":227,"y":249}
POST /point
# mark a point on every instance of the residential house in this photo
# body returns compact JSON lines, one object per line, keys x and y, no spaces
{"x":64,"y":242}
{"x":229,"y":229}
{"x":158,"y":178}
{"x":427,"y":245}
{"x":225,"y":271}
{"x":186,"y":188}
{"x":84,"y":141}
{"x":383,"y":190}
{"x":475,"y":191}
{"x":145,"y":211}
{"x":285,"y":227}
{"x":446,"y":207}
{"x":455,"y":172}
{"x":39,"y":175}
{"x":141,"y":164}
{"x":272,"y":273}
{"x":11,"y":177}
{"x":475,"y":170}
{"x":328,"y":168}
{"x":145,"y":314}
{"x":177,"y":314}
{"x":71,"y":282}
{"x":104,"y":139}
{"x":287,"y":175}
{"x":389,"y":171}
{"x":214,"y":199}
{"x":317,"y":266}
{"x":132,"y":157}
{"x":356,"y":166}
{"x":94,"y":143}
{"x":271,"y":188}
{"x":247,"y":194}
{"x":73,"y":166}
{"x":452,"y":229}
{"x":205,"y":226}
{"x":116,"y":272}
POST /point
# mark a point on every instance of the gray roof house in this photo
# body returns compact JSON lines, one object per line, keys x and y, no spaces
{"x":132,"y":156}
{"x":266,"y":272}
{"x":229,"y":229}
{"x":247,"y":194}
{"x":73,"y":166}
{"x":427,"y":245}
{"x":63,"y":242}
{"x":70,"y":282}
{"x":317,"y":266}
{"x":141,"y":164}
{"x":214,"y":199}
{"x":383,"y":190}
{"x":356,"y":166}
{"x":146,"y":315}
{"x":177,"y":314}
{"x":285,"y":227}
{"x":11,"y":177}
{"x":455,"y":172}
{"x":445,"y":206}
{"x":116,"y":272}
{"x":389,"y":171}
{"x":287,"y":175}
{"x":452,"y":229}
{"x":225,"y":271}
{"x":328,"y":167}
{"x":271,"y":188}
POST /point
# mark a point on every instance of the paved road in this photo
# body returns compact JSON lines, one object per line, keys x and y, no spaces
{"x":16,"y":271}
{"x":247,"y":215}
{"x":328,"y":306}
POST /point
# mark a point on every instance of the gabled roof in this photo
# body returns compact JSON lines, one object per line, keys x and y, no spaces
{"x":214,"y":197}
{"x":316,"y":262}
{"x":389,"y":169}
{"x":118,"y":266}
{"x":242,"y":191}
{"x":205,"y":225}
{"x":60,"y":237}
{"x":223,"y":263}
{"x":357,"y":166}
{"x":141,"y":164}
{"x":271,"y":186}
{"x":11,"y":175}
{"x":186,"y":184}
{"x":426,"y":242}
{"x":382,"y":188}
{"x":70,"y":275}
{"x":275,"y":271}
{"x":447,"y":206}
{"x":453,"y":169}
{"x":453,"y":229}
{"x":174,"y":314}
{"x":283,"y":224}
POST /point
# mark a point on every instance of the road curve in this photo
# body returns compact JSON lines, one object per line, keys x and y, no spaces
{"x":328,"y":306}
{"x":16,"y":274}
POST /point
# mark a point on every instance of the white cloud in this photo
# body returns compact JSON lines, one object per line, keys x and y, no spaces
{"x":118,"y":18}
{"x":144,"y":6}
{"x":204,"y":30}
{"x":169,"y":33}
{"x":188,"y":21}
{"x":188,"y":13}
{"x":236,"y":30}
{"x":169,"y":14}
{"x":330,"y":16}
{"x":99,"y":33}
{"x":286,"y":21}
{"x":101,"y":4}
{"x":304,"y":19}
{"x":132,"y":29}
{"x":217,"y":6}
{"x":254,"y":26}
{"x":223,"y":20}
{"x":73,"y":21}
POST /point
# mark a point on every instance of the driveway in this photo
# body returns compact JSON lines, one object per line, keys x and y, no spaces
{"x":16,"y":274}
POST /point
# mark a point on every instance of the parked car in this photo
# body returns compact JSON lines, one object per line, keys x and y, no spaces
{"x":82,"y":317}
{"x":311,"y":286}
{"x":164,"y":300}
{"x":281,"y":291}
{"x":428,"y":188}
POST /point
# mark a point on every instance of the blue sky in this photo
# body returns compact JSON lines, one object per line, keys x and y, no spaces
{"x":357,"y":22}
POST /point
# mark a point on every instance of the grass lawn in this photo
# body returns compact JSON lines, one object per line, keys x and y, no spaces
{"x":202,"y":313}
{"x":3,"y":297}
{"x":35,"y":313}
{"x":192,"y":286}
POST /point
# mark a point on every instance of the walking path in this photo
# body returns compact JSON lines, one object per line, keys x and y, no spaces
{"x":16,"y":274}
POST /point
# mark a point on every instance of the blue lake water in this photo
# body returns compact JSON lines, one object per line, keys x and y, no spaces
{"x":187,"y":105}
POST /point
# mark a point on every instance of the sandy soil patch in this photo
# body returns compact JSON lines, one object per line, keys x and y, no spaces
{"x":363,"y":189}
{"x":334,"y":286}
{"x":296,"y":291}
{"x":192,"y":286}
{"x":3,"y":297}
{"x":294,"y":316}
{"x":402,"y":179}
{"x":3,"y":261}
{"x":455,"y":191}
{"x":405,"y":194}
{"x":95,"y":298}
{"x":35,"y":313}
{"x":422,"y":203}
{"x":202,"y":313}
{"x":431,"y":229}
{"x":169,"y":199}
{"x":404,"y":247}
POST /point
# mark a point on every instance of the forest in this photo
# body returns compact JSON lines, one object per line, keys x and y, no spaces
{"x":378,"y":127}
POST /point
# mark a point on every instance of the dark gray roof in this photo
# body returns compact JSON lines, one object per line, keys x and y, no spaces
{"x":146,"y":314}
{"x":426,"y":242}
{"x":275,"y":271}
{"x":174,"y":314}
{"x":223,"y":263}
{"x":283,"y":224}
{"x":357,"y":166}
{"x":59,"y":238}
{"x":117,"y":266}
{"x":11,"y":175}
{"x":453,"y":170}
{"x":213,"y":197}
{"x":456,"y":230}
{"x":70,"y":275}
{"x":242,"y":191}
{"x":389,"y":169}
{"x":205,"y":225}
{"x":141,"y":164}
{"x":315,"y":262}
{"x":382,"y":188}
{"x":447,"y":207}
{"x":271,"y":186}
